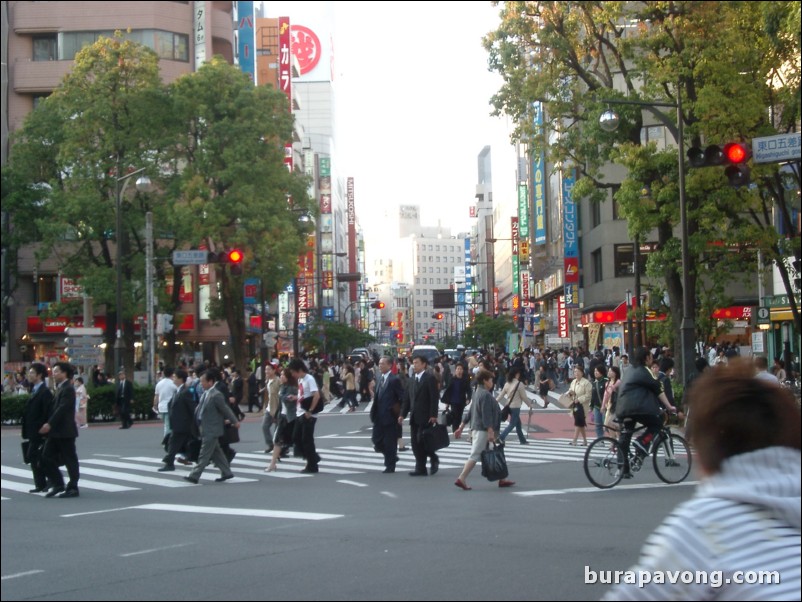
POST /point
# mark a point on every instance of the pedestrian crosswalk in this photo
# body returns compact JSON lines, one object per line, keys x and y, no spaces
{"x":343,"y":455}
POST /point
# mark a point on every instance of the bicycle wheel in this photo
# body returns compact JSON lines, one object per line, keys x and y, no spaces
{"x":672,"y":459}
{"x":604,"y":463}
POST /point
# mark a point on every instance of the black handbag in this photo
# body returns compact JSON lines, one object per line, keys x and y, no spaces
{"x":231,"y":434}
{"x":306,"y":403}
{"x":494,"y":464}
{"x":26,"y":451}
{"x":505,"y":413}
{"x":434,"y":437}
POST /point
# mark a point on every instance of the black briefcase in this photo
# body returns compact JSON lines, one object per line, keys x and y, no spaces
{"x":434,"y":437}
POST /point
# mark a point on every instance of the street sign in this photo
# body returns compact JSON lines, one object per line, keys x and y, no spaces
{"x":73,"y":331}
{"x":190,"y":257}
{"x":73,"y":341}
{"x":776,"y":149}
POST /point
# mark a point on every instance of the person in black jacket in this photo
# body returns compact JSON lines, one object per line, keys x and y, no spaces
{"x":182,"y":414}
{"x":421,"y":401}
{"x":61,"y":432}
{"x":124,"y":396}
{"x":639,"y":400}
{"x":384,"y":413}
{"x":36,"y":414}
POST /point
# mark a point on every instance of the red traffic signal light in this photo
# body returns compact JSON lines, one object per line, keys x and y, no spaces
{"x":378,"y":305}
{"x":234,"y":256}
{"x":399,"y":335}
{"x":390,"y":324}
{"x":735,"y":152}
{"x":430,"y":330}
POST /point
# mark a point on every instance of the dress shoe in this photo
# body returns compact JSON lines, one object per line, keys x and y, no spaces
{"x":461,"y":484}
{"x":224,"y":478}
{"x":37,"y":490}
{"x":192,"y":480}
{"x":524,"y":442}
{"x":418,"y":473}
{"x":310,"y":470}
{"x":167,"y":468}
{"x":435,"y":467}
{"x":55,"y":491}
{"x":388,"y":471}
{"x":183,"y":461}
{"x":71,"y":492}
{"x":403,"y":448}
{"x":505,"y":483}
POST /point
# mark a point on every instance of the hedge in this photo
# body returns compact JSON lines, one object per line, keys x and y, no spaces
{"x":101,"y":405}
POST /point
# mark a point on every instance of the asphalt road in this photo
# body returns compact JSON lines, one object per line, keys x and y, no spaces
{"x":348,"y":533}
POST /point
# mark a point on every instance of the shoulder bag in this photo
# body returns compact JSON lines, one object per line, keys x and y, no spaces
{"x":494,"y":464}
{"x":505,"y":411}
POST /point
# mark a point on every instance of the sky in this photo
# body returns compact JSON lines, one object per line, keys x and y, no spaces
{"x":413,"y":91}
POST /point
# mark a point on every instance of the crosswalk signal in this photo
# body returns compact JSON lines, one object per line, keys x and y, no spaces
{"x":167,"y":322}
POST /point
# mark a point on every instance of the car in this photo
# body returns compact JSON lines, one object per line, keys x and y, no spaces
{"x":430,"y":352}
{"x":453,"y":354}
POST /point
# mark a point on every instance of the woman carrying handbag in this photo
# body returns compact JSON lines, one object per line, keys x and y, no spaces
{"x":516,"y":396}
{"x":484,"y":419}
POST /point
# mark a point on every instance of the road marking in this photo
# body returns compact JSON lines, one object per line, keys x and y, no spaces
{"x":84,"y":483}
{"x":389,"y":494}
{"x":25,"y":574}
{"x":594,"y":489}
{"x":297,"y":462}
{"x":354,"y":483}
{"x":254,"y":512}
{"x":141,"y":552}
{"x":96,"y":512}
{"x":118,"y":476}
{"x":128,"y":466}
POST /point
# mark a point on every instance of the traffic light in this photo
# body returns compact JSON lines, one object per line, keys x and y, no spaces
{"x":437,"y":316}
{"x":390,"y":324}
{"x":399,"y":335}
{"x":234,"y":260}
{"x":737,"y":155}
{"x":378,"y":305}
{"x":733,"y":154}
{"x":431,"y":331}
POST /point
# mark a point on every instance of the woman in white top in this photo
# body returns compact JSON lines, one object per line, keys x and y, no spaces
{"x":515,"y":394}
{"x":580,"y":393}
{"x":81,"y":402}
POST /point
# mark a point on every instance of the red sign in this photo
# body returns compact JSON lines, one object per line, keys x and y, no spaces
{"x":562,"y":317}
{"x":572,"y":270}
{"x":733,"y":313}
{"x":306,"y":48}
{"x":328,"y":280}
{"x":185,"y":292}
{"x":60,"y":324}
{"x":70,"y":289}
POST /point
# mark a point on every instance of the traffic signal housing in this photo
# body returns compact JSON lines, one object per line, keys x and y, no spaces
{"x":437,"y":316}
{"x":234,"y":260}
{"x":378,"y":305}
{"x":733,"y":154}
{"x":390,"y":324}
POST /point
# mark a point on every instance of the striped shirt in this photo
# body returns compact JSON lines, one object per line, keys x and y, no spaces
{"x":741,"y":520}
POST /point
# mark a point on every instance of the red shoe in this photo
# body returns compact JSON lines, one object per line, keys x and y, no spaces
{"x":503,"y":483}
{"x":462,"y":485}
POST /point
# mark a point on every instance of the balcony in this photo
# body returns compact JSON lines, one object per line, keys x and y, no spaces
{"x":30,"y":77}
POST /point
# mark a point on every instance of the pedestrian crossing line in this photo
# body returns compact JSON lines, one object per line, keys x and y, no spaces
{"x":13,"y":486}
{"x":228,"y":511}
{"x":129,"y":466}
{"x":379,"y":460}
{"x":365,"y":454}
{"x":83,"y":483}
{"x":297,"y":461}
{"x":135,"y":478}
{"x":237,"y":466}
{"x":457,"y":457}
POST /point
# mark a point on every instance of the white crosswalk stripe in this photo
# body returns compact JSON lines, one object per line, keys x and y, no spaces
{"x":137,"y":472}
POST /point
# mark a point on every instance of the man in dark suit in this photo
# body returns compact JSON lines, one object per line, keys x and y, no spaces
{"x":211,"y":414}
{"x":36,"y":414}
{"x":182,"y":415}
{"x":124,"y":396}
{"x":384,"y":413}
{"x":61,"y":432}
{"x":421,"y":400}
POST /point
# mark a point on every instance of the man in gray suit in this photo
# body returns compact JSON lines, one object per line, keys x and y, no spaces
{"x":212,"y":414}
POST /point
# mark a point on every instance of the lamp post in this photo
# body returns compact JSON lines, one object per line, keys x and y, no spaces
{"x":609,"y":122}
{"x":630,"y":334}
{"x":122,"y":182}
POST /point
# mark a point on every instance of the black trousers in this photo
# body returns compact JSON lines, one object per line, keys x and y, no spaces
{"x":304,"y":437}
{"x":57,"y":452}
{"x":35,"y":458}
{"x":125,"y":415}
{"x":177,"y":443}
{"x":385,"y":438}
{"x":417,"y":448}
{"x":653,"y":425}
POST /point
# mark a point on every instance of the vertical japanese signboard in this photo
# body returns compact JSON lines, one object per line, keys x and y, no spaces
{"x":538,"y":183}
{"x":285,"y":74}
{"x":570,"y":244}
{"x":246,"y":39}
{"x":352,"y":256}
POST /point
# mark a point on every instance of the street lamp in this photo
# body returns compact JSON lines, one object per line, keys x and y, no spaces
{"x":609,"y":122}
{"x":143,"y":184}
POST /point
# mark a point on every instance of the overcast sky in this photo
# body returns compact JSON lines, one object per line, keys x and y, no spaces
{"x":413,"y":92}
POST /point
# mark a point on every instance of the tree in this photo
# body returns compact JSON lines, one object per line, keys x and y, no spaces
{"x":486,"y":331}
{"x":230,"y":189}
{"x":334,"y":337}
{"x":574,"y":55}
{"x":106,"y":118}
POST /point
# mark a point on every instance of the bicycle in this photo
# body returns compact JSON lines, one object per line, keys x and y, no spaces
{"x":671,"y":458}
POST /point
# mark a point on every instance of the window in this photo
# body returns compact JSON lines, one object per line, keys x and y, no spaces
{"x":595,"y":214}
{"x":625,"y":259}
{"x":45,"y":48}
{"x":596,"y":262}
{"x":166,"y":44}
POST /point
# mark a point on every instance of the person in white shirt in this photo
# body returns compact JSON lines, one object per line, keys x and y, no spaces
{"x":165,"y":389}
{"x":308,"y":401}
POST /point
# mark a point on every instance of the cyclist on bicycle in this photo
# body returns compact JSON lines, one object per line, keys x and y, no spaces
{"x":639,"y":401}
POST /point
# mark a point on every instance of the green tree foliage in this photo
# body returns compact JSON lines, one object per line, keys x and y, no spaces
{"x":211,"y":142}
{"x":718,"y":58}
{"x":487,"y":330}
{"x":334,"y":337}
